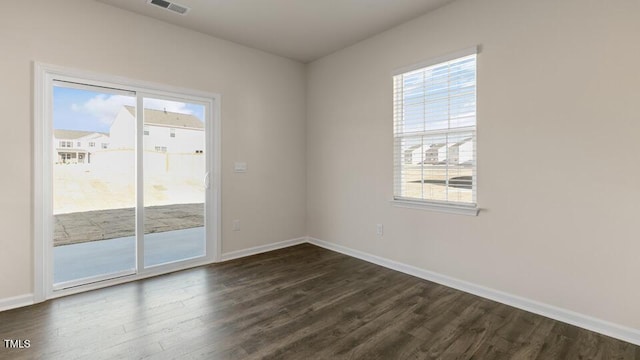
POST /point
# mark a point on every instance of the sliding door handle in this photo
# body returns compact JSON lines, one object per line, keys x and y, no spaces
{"x":207,"y":182}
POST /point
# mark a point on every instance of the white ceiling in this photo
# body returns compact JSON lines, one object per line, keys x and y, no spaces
{"x":303,"y":30}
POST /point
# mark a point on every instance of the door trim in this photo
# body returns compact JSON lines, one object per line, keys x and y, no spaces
{"x":44,"y":75}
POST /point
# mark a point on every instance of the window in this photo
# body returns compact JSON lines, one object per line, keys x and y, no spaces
{"x":434,"y":114}
{"x":161,"y":149}
{"x":78,"y":144}
{"x":146,"y":130}
{"x":92,"y":144}
{"x":104,"y":145}
{"x":172,"y":132}
{"x":66,"y":144}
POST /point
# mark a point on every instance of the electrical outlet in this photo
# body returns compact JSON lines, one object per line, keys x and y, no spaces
{"x":236,"y":225}
{"x":379,"y":230}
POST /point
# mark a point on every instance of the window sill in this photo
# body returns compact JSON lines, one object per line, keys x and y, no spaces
{"x":469,"y":210}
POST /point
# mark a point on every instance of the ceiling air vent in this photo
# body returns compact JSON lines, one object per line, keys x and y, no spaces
{"x":173,"y":7}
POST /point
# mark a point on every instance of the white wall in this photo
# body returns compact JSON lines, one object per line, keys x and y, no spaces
{"x":122,"y":132}
{"x":263,"y":102}
{"x":557,"y":83}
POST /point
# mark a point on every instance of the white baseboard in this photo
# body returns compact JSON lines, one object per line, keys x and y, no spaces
{"x":567,"y":316}
{"x":16,"y":302}
{"x":261,"y":249}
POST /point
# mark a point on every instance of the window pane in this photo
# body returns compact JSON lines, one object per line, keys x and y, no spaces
{"x":435,"y":157}
{"x":93,"y":188}
{"x":437,"y":115}
{"x":460,"y":158}
{"x":410,"y":162}
{"x":435,"y":169}
{"x":174,"y":192}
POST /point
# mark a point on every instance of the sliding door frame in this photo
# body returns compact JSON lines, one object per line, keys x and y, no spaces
{"x":44,"y":77}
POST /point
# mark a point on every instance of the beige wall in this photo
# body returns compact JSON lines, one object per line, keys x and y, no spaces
{"x":558,"y":176}
{"x":263,"y":111}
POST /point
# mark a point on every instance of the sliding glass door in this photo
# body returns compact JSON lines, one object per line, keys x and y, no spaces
{"x":174,"y":180}
{"x":129,"y":181}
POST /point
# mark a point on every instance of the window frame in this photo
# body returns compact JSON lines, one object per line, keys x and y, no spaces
{"x":450,"y":207}
{"x":43,"y":145}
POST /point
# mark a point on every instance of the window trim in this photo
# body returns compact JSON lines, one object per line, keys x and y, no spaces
{"x":471,"y":209}
{"x":436,"y":60}
{"x":433,"y":205}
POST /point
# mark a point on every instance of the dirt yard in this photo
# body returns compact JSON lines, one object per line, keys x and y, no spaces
{"x":94,"y":202}
{"x":433,"y":187}
{"x":85,"y":187}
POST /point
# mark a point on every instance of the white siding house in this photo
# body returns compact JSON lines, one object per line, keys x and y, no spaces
{"x":76,"y":147}
{"x":458,"y":153}
{"x":164,"y":131}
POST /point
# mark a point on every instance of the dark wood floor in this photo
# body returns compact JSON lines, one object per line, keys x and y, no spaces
{"x":303,"y":302}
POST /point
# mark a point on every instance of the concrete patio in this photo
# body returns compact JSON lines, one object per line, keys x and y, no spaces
{"x":96,"y":258}
{"x":79,"y":227}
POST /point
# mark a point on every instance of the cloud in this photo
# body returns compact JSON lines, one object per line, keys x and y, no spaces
{"x":105,"y":108}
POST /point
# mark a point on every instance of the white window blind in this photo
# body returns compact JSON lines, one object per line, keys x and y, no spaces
{"x":434,"y":112}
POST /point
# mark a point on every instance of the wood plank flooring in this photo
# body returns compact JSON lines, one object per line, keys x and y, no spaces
{"x":302,"y":302}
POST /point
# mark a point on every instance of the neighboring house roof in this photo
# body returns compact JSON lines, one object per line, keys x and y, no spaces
{"x":459,"y":143}
{"x":413,"y":148}
{"x":167,"y":118}
{"x":74,"y":134}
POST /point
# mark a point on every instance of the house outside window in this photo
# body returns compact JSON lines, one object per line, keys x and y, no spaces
{"x":434,"y":113}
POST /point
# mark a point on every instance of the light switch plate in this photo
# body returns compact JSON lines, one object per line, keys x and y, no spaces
{"x":240,"y":167}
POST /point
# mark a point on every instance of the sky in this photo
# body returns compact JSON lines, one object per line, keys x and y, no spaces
{"x":75,"y":109}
